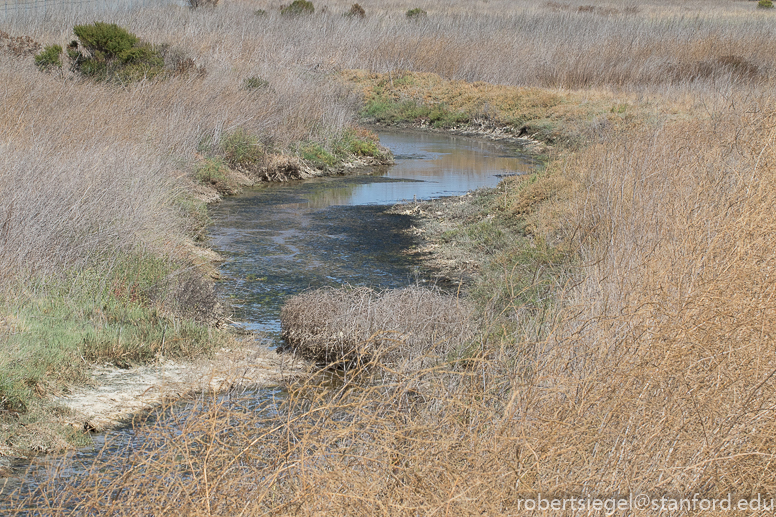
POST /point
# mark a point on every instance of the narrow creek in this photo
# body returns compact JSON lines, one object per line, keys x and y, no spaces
{"x":281,"y":239}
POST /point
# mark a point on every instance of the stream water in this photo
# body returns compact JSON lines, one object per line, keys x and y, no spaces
{"x":281,"y":239}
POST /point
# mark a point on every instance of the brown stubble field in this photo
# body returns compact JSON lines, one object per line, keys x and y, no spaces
{"x":648,"y":368}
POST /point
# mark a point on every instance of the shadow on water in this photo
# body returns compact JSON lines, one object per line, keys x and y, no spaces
{"x":282,"y":239}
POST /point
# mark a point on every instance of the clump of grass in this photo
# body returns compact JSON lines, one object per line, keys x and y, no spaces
{"x":386,"y":110}
{"x":765,"y":4}
{"x":298,"y":8}
{"x":241,"y":149}
{"x":49,"y":58}
{"x":356,"y":11}
{"x":255,"y":83}
{"x":194,"y":4}
{"x":317,"y":155}
{"x":260,"y":12}
{"x":111,"y":53}
{"x":360,"y":142}
{"x":214,"y":172}
{"x":416,"y":13}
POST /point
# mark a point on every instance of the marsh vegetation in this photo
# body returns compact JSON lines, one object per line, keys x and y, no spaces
{"x":623,"y":294}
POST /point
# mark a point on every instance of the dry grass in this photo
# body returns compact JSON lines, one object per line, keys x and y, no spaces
{"x":653,"y":374}
{"x":411,"y":326}
{"x":656,"y":378}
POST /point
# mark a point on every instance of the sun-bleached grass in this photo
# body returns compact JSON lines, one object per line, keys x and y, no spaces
{"x":653,"y":370}
{"x":413,"y":325}
{"x":656,"y":376}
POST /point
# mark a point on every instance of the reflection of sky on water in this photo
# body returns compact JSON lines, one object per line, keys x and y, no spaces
{"x":431,"y":165}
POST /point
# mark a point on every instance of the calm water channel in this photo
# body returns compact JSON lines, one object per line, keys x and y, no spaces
{"x":282,"y":239}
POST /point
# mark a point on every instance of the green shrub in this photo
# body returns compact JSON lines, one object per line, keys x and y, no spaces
{"x":255,"y":83}
{"x":113,"y":54}
{"x":202,"y":3}
{"x":298,"y":7}
{"x":416,"y":13}
{"x":211,"y":171}
{"x":260,"y":12}
{"x":356,"y":11}
{"x":50,"y":57}
{"x":241,"y":149}
{"x":765,"y":4}
{"x":317,"y":156}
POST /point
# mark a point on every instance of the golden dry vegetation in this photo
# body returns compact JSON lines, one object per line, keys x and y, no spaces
{"x":644,"y":366}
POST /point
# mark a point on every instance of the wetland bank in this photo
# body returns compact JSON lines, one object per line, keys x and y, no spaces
{"x":622,"y":291}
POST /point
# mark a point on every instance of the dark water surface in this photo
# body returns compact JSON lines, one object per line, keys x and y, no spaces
{"x":282,"y":239}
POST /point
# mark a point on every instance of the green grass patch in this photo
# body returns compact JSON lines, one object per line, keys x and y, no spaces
{"x":357,"y":142}
{"x":255,"y":83}
{"x":385,"y":110}
{"x":241,"y":149}
{"x":54,"y":329}
{"x":416,"y":13}
{"x":298,"y":8}
{"x":353,"y":142}
{"x":49,"y":58}
{"x":316,"y":155}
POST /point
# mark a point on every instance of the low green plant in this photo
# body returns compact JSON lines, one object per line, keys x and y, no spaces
{"x":194,"y":214}
{"x":386,"y":110}
{"x":765,"y":4}
{"x":260,"y":12}
{"x":315,"y":154}
{"x":357,"y":142}
{"x":297,"y":8}
{"x":202,"y":3}
{"x":356,"y":11}
{"x":212,"y":171}
{"x":241,"y":149}
{"x":143,"y":308}
{"x":107,"y":52}
{"x":49,"y":58}
{"x":416,"y":13}
{"x":255,"y":83}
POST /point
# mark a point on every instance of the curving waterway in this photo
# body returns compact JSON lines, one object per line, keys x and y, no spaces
{"x":281,"y":239}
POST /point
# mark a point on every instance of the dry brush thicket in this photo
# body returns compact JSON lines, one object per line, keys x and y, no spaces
{"x":655,"y":374}
{"x":405,"y":327}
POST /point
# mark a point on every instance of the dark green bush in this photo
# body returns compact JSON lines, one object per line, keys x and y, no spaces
{"x":765,"y":4}
{"x":50,"y":57}
{"x":416,"y":13}
{"x":356,"y":11}
{"x":108,"y":52}
{"x":298,"y":7}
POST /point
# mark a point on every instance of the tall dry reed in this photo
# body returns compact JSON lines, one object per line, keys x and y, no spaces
{"x":656,"y":377}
